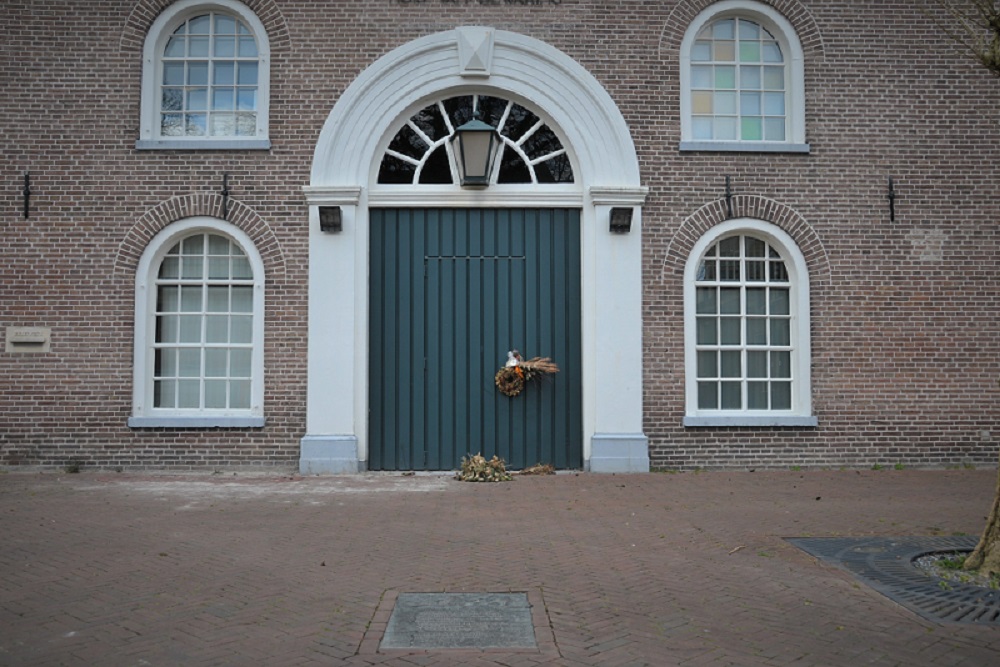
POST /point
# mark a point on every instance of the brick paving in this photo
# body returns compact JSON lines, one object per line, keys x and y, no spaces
{"x":659,"y":569}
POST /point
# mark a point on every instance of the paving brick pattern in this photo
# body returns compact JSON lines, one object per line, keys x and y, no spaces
{"x":685,"y":569}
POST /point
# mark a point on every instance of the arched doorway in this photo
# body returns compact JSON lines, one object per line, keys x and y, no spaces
{"x":345,"y":174}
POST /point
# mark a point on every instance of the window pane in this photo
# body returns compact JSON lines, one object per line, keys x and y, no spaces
{"x":191,"y":299}
{"x":216,"y":359}
{"x":708,"y":398}
{"x":198,"y":47}
{"x":751,"y":129}
{"x":729,"y":270}
{"x":247,"y":74}
{"x":774,"y":78}
{"x":246,"y":99}
{"x":218,"y":299}
{"x":215,"y":394}
{"x":750,"y":77}
{"x":774,"y":129}
{"x":190,"y":328}
{"x":750,"y":104}
{"x":724,"y":51}
{"x":750,"y":52}
{"x":167,"y":327}
{"x":241,"y":268}
{"x":756,"y":364}
{"x":756,"y":271}
{"x":771,"y":52}
{"x":725,"y":76}
{"x":701,"y":128}
{"x":730,"y":330}
{"x":164,"y":394}
{"x":701,"y":76}
{"x":223,"y":125}
{"x":197,"y":99}
{"x":188,"y":393}
{"x":175,"y":47}
{"x":707,"y":331}
{"x":774,"y":104}
{"x":756,"y":395}
{"x":165,"y":362}
{"x":708,"y":364}
{"x":195,"y":125}
{"x":729,"y":300}
{"x":757,"y":331}
{"x":246,"y":124}
{"x":781,"y":395}
{"x":173,"y":74}
{"x":168,"y":299}
{"x":173,"y":99}
{"x":248,"y":47}
{"x":222,"y":99}
{"x":729,"y":247}
{"x":749,"y":30}
{"x":732,"y":398}
{"x":172,"y":125}
{"x":731,"y":364}
{"x":199,"y":25}
{"x":225,"y":47}
{"x":239,"y":397}
{"x":218,"y":268}
{"x":225,"y":74}
{"x":779,"y":301}
{"x":706,"y":301}
{"x":781,"y":364}
{"x":701,"y":102}
{"x":756,"y":301}
{"x":706,"y":271}
{"x":217,"y":329}
{"x":191,"y":267}
{"x":197,"y":74}
{"x":780,"y":332}
{"x":242,"y":299}
{"x":239,"y":363}
{"x":724,"y":128}
{"x":724,"y":29}
{"x":242,"y":329}
{"x":778,"y":272}
{"x":725,"y":103}
{"x":189,"y":362}
{"x":701,"y":51}
{"x":225,"y":25}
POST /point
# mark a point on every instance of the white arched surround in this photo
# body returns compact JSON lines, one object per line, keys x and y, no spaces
{"x":345,"y":166}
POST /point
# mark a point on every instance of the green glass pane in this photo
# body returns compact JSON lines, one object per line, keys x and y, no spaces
{"x":729,"y":301}
{"x":757,"y":396}
{"x":725,"y":77}
{"x":191,"y":299}
{"x":781,"y":365}
{"x":756,"y":364}
{"x":239,"y":394}
{"x":781,"y":395}
{"x":732,"y":396}
{"x":215,"y":394}
{"x":756,"y":301}
{"x":779,"y":301}
{"x":749,"y":52}
{"x":751,"y":129}
{"x":707,"y":331}
{"x":708,"y":396}
{"x":725,"y":103}
{"x":239,"y":363}
{"x":216,"y":362}
{"x":731,"y":364}
{"x":780,"y":332}
{"x":757,"y":331}
{"x":708,"y":365}
{"x":189,"y":393}
{"x":706,"y":303}
{"x":730,"y":331}
{"x":190,"y":329}
{"x":189,"y":362}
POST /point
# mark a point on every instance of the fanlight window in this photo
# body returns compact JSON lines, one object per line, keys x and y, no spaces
{"x":420,"y":153}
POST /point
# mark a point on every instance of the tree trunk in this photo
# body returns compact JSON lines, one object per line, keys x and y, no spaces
{"x":986,"y":557}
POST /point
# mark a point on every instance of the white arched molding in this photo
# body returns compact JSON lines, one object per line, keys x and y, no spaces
{"x":344,"y":172}
{"x":784,"y":32}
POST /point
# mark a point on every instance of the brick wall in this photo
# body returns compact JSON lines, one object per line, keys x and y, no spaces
{"x":903,"y":313}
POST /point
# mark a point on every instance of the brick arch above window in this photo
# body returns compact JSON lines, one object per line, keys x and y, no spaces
{"x":747,"y":206}
{"x":199,"y":204}
{"x":144,"y":12}
{"x":797,"y":14}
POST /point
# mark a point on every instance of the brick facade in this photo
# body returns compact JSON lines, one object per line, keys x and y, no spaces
{"x":903,"y":312}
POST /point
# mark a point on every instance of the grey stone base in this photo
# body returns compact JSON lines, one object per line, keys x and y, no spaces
{"x":615,"y":452}
{"x":329,"y":455}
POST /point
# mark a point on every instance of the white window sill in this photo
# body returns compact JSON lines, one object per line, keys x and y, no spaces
{"x":743,"y":147}
{"x":196,"y":422}
{"x":203,"y":144}
{"x":747,"y":420}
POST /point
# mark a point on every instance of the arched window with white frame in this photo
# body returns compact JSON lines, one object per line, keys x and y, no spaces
{"x":205,"y":78}
{"x":742,"y":81}
{"x":746,"y":328}
{"x":199,"y":328}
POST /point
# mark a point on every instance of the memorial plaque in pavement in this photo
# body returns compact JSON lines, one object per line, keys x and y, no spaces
{"x":460,"y":620}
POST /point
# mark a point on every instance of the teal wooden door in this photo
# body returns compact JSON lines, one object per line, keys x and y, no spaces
{"x":452,"y":290}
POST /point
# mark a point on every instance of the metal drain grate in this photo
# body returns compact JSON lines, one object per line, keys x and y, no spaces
{"x":886,"y":564}
{"x":460,"y":620}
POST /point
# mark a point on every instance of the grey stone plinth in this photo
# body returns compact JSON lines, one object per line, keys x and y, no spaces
{"x":613,"y":452}
{"x":329,"y":455}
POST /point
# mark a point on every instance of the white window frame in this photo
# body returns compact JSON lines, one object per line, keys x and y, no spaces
{"x":800,"y":413}
{"x":143,"y":412}
{"x":795,"y":107}
{"x":152,"y":76}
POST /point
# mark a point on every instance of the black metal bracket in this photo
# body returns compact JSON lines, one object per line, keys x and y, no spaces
{"x":26,"y":191}
{"x":225,"y":196}
{"x":729,"y":199}
{"x":892,"y":200}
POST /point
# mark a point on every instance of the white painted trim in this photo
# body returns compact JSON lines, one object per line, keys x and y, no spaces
{"x":798,"y":275}
{"x":143,"y":414}
{"x":152,"y":74}
{"x":348,"y":153}
{"x":783,"y":31}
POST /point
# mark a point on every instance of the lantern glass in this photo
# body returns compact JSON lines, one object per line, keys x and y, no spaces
{"x":475,"y":145}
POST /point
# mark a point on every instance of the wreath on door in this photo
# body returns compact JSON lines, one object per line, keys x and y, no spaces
{"x":510,"y":379}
